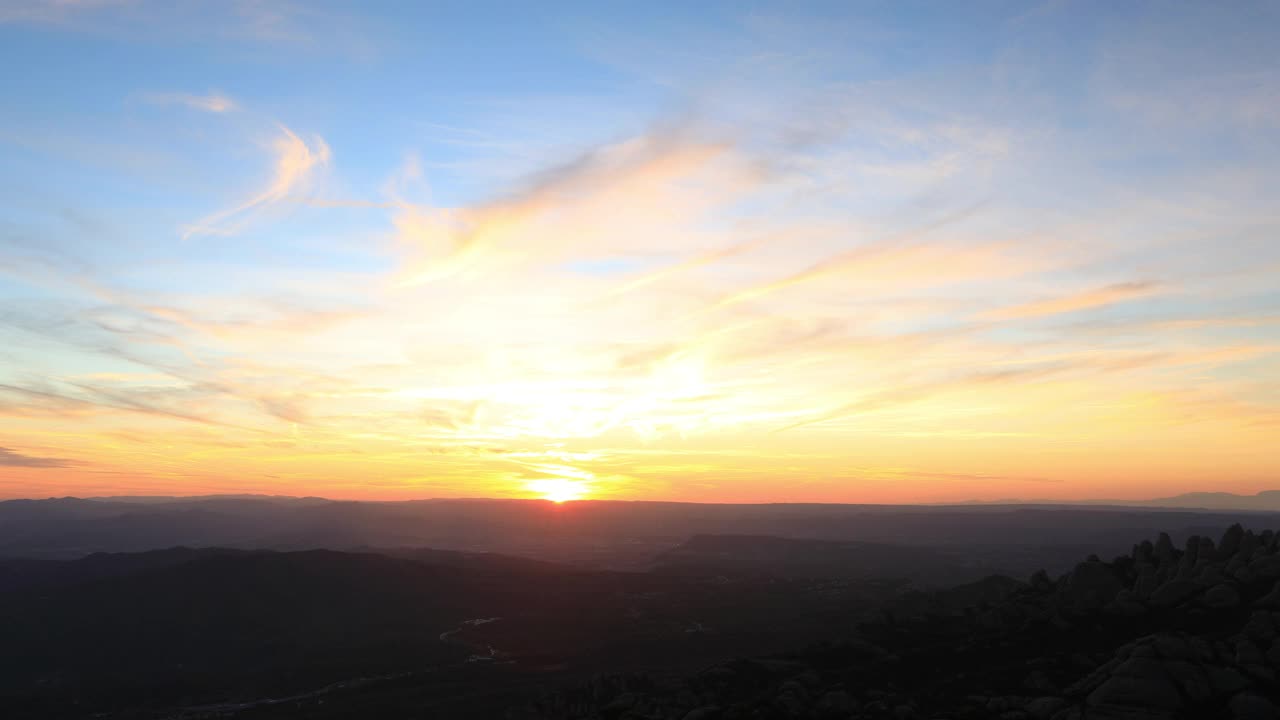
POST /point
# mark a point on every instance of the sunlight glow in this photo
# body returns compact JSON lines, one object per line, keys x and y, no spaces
{"x":559,"y":490}
{"x":881,"y":282}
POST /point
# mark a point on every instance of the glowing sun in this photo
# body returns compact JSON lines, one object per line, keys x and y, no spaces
{"x":559,"y":489}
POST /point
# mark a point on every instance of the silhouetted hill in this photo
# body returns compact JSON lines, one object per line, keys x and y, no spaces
{"x":119,"y":630}
{"x":618,"y":535}
{"x":788,"y":557}
{"x":1266,"y":501}
{"x":142,"y":634}
{"x":227,"y":497}
{"x":1159,"y":634}
{"x":21,"y":573}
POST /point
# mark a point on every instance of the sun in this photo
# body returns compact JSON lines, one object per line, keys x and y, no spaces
{"x":559,"y":490}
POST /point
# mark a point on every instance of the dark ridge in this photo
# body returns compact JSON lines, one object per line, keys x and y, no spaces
{"x":1160,"y":634}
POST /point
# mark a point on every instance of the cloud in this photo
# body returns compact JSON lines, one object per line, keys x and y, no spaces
{"x":244,"y":324}
{"x":53,"y":11}
{"x":698,"y":261}
{"x":213,"y":102}
{"x":295,"y":162}
{"x":907,"y":394}
{"x":836,"y":252}
{"x":40,"y":400}
{"x":13,"y":458}
{"x":1089,"y":299}
{"x":664,"y":179}
{"x":899,"y":262}
{"x":294,"y":26}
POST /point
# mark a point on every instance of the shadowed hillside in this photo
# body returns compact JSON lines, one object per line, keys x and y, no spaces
{"x":1159,"y":634}
{"x":728,"y":628}
{"x":616,"y":535}
{"x":143,"y":635}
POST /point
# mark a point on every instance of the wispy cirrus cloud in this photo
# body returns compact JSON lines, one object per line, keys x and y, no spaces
{"x":913,"y":269}
{"x":212,"y":102}
{"x":1074,"y":302}
{"x":13,"y":458}
{"x":297,"y":26}
{"x":294,"y":164}
{"x":558,"y":213}
{"x":54,"y":11}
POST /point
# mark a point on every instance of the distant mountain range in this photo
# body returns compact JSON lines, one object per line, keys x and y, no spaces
{"x":163,"y":499}
{"x":1265,"y":501}
{"x":1158,"y":634}
{"x":1013,"y":539}
{"x":723,"y":628}
{"x":170,"y":633}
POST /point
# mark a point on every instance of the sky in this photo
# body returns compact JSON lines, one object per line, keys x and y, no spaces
{"x":713,"y":252}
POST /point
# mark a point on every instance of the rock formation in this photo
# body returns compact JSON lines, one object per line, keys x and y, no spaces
{"x":1160,"y":634}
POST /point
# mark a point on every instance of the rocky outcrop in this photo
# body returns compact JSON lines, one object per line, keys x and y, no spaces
{"x":1090,"y":586}
{"x":1160,"y":634}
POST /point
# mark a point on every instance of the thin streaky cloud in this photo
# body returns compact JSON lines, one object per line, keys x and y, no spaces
{"x":13,"y":458}
{"x":1086,"y":300}
{"x":294,"y":163}
{"x":862,"y":256}
{"x":636,"y":283}
{"x":212,"y":102}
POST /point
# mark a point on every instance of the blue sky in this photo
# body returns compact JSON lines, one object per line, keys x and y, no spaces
{"x":697,"y":250}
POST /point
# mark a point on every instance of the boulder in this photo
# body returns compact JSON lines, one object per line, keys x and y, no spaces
{"x":1037,"y":680}
{"x":1226,"y":681}
{"x":706,"y":712}
{"x":1203,"y":648}
{"x":621,"y":703}
{"x":1247,"y":653}
{"x":1221,"y":597}
{"x":1125,"y":607}
{"x":1143,"y":551}
{"x":837,"y":703}
{"x":1040,"y":581}
{"x":1209,"y":575}
{"x":1164,"y":551}
{"x":1230,"y":542}
{"x":1146,"y":583}
{"x":789,"y":705}
{"x":1091,"y":585}
{"x":1045,"y":707}
{"x":1261,"y":627}
{"x":1265,"y":567}
{"x":1175,"y":592}
{"x":1271,"y":599}
{"x":795,"y":688}
{"x":1248,"y":545}
{"x":1248,"y":706}
{"x":1173,"y":647}
{"x":1191,"y":679}
{"x":1137,"y":683}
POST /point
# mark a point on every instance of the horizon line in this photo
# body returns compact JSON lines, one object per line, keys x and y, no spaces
{"x":1004,"y":502}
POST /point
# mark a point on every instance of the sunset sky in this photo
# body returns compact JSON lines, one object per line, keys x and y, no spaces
{"x":738,"y":252}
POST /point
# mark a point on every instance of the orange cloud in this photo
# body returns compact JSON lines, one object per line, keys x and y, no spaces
{"x":213,"y":102}
{"x":295,"y":161}
{"x":1099,"y":297}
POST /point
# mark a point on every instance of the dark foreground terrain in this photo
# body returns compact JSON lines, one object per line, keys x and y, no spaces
{"x":149,"y":634}
{"x":786,"y":612}
{"x":1159,"y":633}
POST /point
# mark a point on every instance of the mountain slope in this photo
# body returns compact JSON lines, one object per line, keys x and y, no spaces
{"x":1160,"y":634}
{"x":769,"y":556}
